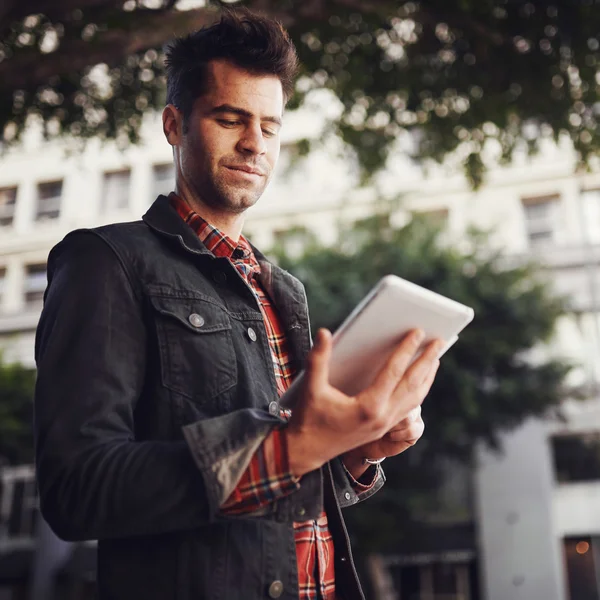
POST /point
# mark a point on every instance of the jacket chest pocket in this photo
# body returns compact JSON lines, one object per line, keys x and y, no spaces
{"x":196,"y":347}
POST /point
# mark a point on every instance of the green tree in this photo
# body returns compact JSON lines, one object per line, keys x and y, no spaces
{"x":453,"y":71}
{"x":485,"y":384}
{"x":16,"y":413}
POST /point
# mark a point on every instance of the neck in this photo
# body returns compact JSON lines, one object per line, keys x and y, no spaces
{"x":229,"y":223}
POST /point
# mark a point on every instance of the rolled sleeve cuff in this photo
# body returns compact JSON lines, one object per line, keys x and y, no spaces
{"x":267,"y":478}
{"x":366,"y":481}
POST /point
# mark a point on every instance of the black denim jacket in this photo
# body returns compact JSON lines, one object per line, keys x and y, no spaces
{"x":144,"y":421}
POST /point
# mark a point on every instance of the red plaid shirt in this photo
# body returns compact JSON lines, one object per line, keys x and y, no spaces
{"x":268,"y":476}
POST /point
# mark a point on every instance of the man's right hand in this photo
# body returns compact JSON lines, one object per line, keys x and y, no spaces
{"x":327,"y":423}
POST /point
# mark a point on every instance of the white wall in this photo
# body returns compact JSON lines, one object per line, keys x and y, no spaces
{"x":522,"y":553}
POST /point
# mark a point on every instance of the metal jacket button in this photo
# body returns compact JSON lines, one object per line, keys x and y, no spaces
{"x":274,"y":408}
{"x":251,"y":334}
{"x":276,"y":589}
{"x":196,"y":320}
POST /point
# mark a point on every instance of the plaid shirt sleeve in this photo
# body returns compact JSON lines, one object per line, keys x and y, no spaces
{"x":266,"y":479}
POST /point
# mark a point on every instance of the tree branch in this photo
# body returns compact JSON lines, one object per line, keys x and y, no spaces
{"x":14,"y":10}
{"x":461,"y":21}
{"x":143,"y":29}
{"x":319,"y":10}
{"x":29,"y":69}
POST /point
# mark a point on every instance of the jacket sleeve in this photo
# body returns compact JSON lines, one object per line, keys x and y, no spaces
{"x":349,"y":491}
{"x":266,"y":479}
{"x":95,"y":479}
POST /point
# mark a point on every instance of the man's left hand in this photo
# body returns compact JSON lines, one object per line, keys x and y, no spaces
{"x":398,"y":439}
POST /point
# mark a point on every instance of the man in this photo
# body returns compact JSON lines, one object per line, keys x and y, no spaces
{"x":164,"y":346}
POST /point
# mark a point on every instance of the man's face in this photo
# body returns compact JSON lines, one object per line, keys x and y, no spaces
{"x":229,"y":150}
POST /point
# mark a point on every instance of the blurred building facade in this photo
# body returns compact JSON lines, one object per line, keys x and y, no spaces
{"x":537,"y":507}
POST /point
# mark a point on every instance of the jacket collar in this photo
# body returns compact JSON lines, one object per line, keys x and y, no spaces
{"x":164,"y":220}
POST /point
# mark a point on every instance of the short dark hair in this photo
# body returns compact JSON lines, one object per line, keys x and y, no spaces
{"x":254,"y":43}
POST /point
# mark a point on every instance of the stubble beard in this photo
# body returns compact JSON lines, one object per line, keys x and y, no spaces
{"x":222,"y":195}
{"x":237,"y":198}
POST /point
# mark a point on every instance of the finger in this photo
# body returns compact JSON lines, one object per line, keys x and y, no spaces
{"x":406,"y":398}
{"x":317,"y":369}
{"x":426,"y":385}
{"x":412,"y":416}
{"x":393,"y":371}
{"x":419,"y":371}
{"x":409,"y":434}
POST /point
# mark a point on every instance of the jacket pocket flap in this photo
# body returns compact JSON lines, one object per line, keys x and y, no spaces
{"x":196,"y":315}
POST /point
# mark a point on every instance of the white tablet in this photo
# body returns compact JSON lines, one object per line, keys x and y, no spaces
{"x":366,"y":339}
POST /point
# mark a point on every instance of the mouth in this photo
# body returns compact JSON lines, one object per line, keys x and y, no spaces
{"x":246,"y":171}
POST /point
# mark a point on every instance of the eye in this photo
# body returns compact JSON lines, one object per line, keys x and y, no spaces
{"x":269,"y":133}
{"x":228,"y":122}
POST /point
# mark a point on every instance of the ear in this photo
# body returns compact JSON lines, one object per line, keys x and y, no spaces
{"x":172,"y":124}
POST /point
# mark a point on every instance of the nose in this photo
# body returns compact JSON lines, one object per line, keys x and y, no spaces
{"x":252,"y":140}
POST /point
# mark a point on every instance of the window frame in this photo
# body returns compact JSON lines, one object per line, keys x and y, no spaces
{"x":45,"y":213}
{"x":110,"y":207}
{"x":12,"y":204}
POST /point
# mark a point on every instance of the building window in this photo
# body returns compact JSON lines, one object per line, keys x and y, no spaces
{"x":35,"y":285}
{"x":433,"y":578}
{"x":590,"y":201}
{"x":576,"y":457}
{"x":541,"y":221}
{"x":8,"y":198}
{"x":582,"y":556}
{"x":115,"y":190}
{"x":163,"y":180}
{"x":49,"y":197}
{"x":2,"y":285}
{"x":19,"y":507}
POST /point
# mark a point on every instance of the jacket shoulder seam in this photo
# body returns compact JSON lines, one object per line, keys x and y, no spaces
{"x":133,"y":282}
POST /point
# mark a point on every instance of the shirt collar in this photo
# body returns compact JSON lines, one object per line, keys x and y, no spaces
{"x":215,"y":240}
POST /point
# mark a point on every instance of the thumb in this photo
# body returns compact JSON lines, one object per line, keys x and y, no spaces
{"x":317,"y":371}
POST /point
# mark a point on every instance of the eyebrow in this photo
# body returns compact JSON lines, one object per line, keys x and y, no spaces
{"x":228,"y":108}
